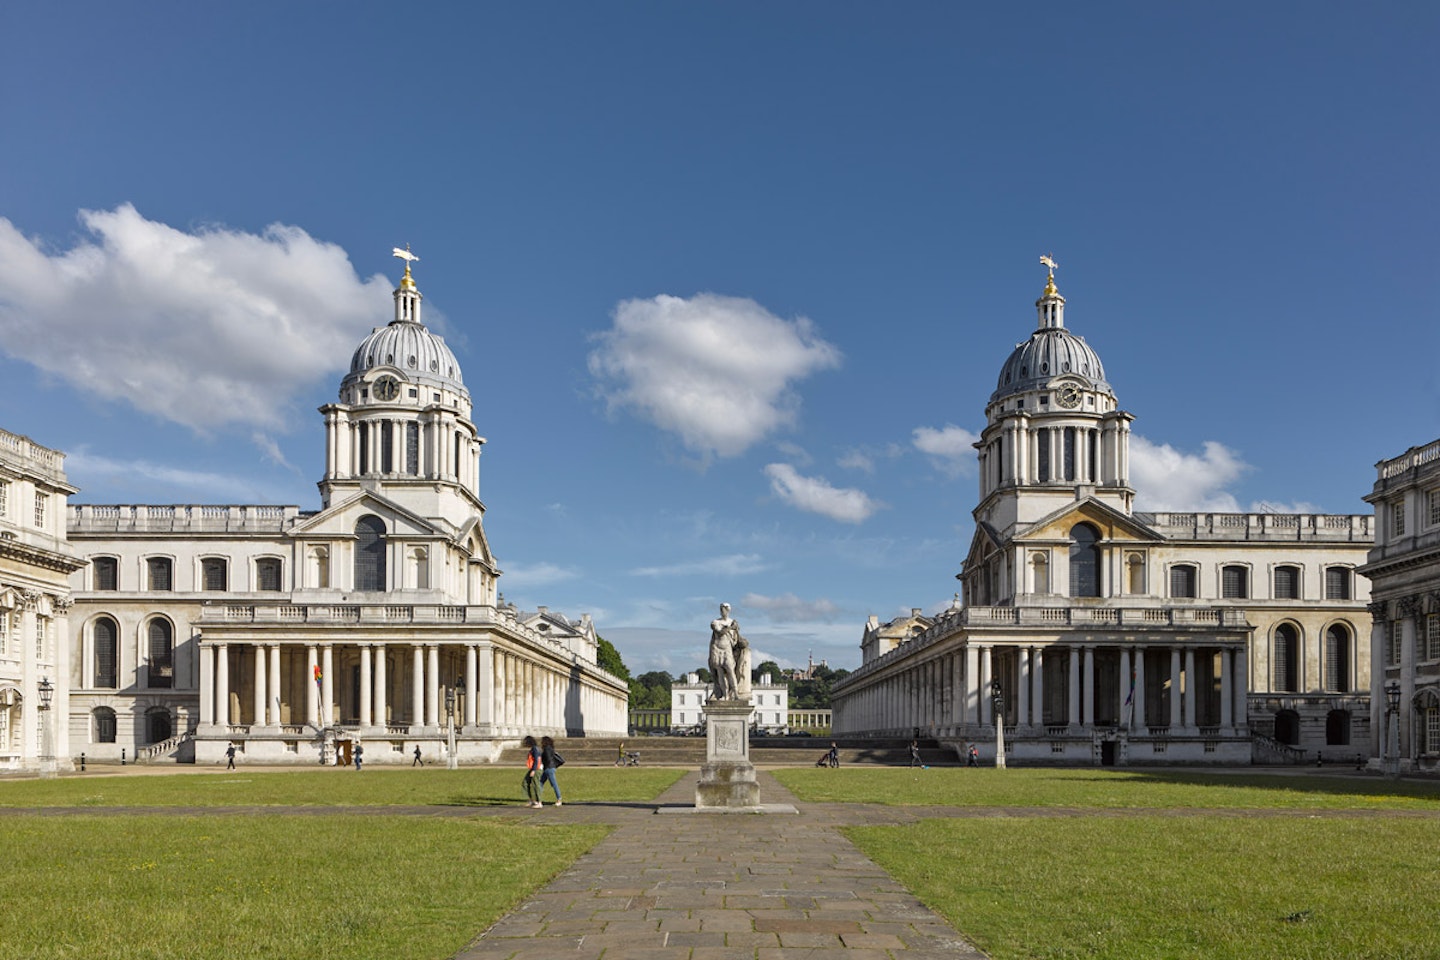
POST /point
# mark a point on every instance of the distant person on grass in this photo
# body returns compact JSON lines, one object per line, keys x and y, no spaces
{"x":417,"y":762}
{"x":915,"y":754}
{"x":833,"y":757}
{"x":532,"y":772}
{"x":549,"y":761}
{"x":359,"y":755}
{"x":230,"y":757}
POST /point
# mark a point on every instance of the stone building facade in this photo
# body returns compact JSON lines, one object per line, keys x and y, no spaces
{"x":295,"y":634}
{"x":1117,"y":637}
{"x":771,"y":701}
{"x":1404,"y":570}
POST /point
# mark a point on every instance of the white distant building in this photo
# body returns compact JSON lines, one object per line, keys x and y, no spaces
{"x":296,"y":633}
{"x":771,"y":702}
{"x":1113,"y":636}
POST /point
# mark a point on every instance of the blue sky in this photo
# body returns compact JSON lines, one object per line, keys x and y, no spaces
{"x":730,"y":283}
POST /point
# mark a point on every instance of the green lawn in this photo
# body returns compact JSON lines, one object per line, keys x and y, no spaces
{"x":330,"y":786}
{"x":1151,"y":887}
{"x":1155,"y":789}
{"x":128,"y":887}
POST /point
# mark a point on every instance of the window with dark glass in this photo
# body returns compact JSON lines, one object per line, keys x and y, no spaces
{"x":1084,"y":561}
{"x":158,"y":574}
{"x":106,"y":573}
{"x":1042,"y":451}
{"x":214,"y":574}
{"x":1068,"y":442}
{"x":157,"y":725}
{"x":104,"y":725}
{"x":387,"y":448}
{"x":1235,"y":582}
{"x":1287,"y":583}
{"x":370,"y":554}
{"x":1337,"y":583}
{"x":1286,"y":663}
{"x":267,"y":574}
{"x":1337,"y":659}
{"x":107,"y":647}
{"x":162,"y":654}
{"x":365,"y":448}
{"x":1182,"y":582}
{"x":412,"y":449}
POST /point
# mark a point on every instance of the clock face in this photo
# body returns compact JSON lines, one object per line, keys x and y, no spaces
{"x":387,"y":388}
{"x":1068,"y":396}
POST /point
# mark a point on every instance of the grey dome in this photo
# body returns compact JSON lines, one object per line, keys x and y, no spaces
{"x":1050,"y":352}
{"x":411,"y":348}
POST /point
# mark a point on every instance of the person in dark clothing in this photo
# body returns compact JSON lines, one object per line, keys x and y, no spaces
{"x":359,"y":755}
{"x":532,"y":771}
{"x":972,"y":756}
{"x":417,"y":762}
{"x":548,"y":763}
{"x":915,"y":754}
{"x":833,"y":757}
{"x":230,"y":757}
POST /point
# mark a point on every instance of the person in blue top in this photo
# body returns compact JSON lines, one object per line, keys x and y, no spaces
{"x":549,"y":760}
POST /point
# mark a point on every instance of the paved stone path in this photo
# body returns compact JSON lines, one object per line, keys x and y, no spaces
{"x":711,"y":886}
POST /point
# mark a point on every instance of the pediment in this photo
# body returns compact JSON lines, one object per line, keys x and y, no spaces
{"x":472,"y":537}
{"x":1113,"y":524}
{"x":340,"y":518}
{"x":984,"y":543}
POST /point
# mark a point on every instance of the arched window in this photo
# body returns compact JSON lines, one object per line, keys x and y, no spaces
{"x":1040,"y":573}
{"x":1285,"y":662}
{"x":1287,"y":727}
{"x":104,"y":725}
{"x":1084,"y":561}
{"x":162,"y":654}
{"x":107,"y":647}
{"x":1337,"y":658}
{"x":1337,"y":728}
{"x":1235,"y":582}
{"x":157,"y":725}
{"x":214,"y":574}
{"x":370,"y":554}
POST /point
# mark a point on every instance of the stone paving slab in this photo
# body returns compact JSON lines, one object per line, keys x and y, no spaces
{"x":722,"y":888}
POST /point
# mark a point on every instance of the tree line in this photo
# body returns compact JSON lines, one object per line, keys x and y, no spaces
{"x":651,"y":690}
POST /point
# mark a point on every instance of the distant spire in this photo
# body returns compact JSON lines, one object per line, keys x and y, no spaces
{"x":1051,"y":305}
{"x":407,"y":295}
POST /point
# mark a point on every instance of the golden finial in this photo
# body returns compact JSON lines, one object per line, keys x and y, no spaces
{"x":406,"y":282}
{"x":1049,"y":261}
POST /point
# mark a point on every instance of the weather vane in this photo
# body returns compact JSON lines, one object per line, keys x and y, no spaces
{"x":405,"y":255}
{"x":1046,"y":260}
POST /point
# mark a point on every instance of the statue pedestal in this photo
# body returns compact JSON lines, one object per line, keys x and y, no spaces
{"x":727,"y":778}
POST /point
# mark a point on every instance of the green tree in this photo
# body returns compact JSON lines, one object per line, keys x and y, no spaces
{"x":609,"y":659}
{"x":770,"y":668}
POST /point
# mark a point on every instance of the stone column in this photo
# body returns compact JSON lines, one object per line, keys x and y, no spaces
{"x":417,"y":686}
{"x":1022,"y":682}
{"x":1241,"y":688}
{"x":1174,"y":689}
{"x":367,"y":682}
{"x":207,"y":685}
{"x":1073,"y":693}
{"x":1038,"y":655}
{"x":1137,"y":708}
{"x":987,"y":709}
{"x":1087,"y":715}
{"x":273,"y":690}
{"x":1227,"y":683}
{"x":432,"y":687}
{"x":260,"y":698}
{"x":1124,"y":685}
{"x":222,"y":683}
{"x":327,"y":683}
{"x":312,"y":695}
{"x":472,"y":684}
{"x":381,"y":704}
{"x":1190,"y":691}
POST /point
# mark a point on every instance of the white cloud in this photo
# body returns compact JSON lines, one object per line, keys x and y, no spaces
{"x":270,"y":450}
{"x":856,"y":460}
{"x":205,"y":328}
{"x":83,"y":467}
{"x":788,"y":608}
{"x":816,"y":495}
{"x":1166,"y":479}
{"x":950,"y":448}
{"x":524,"y":576}
{"x":717,"y":371}
{"x":732,"y":565}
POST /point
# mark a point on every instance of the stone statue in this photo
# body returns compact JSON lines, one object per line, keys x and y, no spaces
{"x":729,"y":658}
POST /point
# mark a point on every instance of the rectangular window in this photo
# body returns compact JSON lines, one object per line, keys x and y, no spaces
{"x":1432,"y":730}
{"x":1432,"y":637}
{"x":267,"y":574}
{"x":1287,"y":583}
{"x":1235,"y":583}
{"x":412,"y":449}
{"x":106,"y":573}
{"x":4,"y":496}
{"x":40,"y":503}
{"x":1397,"y":519}
{"x":1042,"y":455}
{"x":1069,"y":443}
{"x":4,"y":635}
{"x":1337,"y":583}
{"x":213,"y":574}
{"x":1392,"y":647}
{"x":387,"y":447}
{"x":157,"y":571}
{"x":1182,"y":582}
{"x":1433,"y":502}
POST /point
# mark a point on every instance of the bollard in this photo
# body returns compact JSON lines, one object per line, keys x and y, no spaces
{"x":82,"y":762}
{"x":122,"y":756}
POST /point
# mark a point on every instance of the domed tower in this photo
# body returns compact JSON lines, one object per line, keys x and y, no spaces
{"x":1054,"y":432}
{"x":402,"y":426}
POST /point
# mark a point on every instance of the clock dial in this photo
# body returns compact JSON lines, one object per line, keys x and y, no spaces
{"x":387,"y":388}
{"x":1068,"y":396}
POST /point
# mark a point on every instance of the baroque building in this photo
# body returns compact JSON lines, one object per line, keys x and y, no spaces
{"x":35,"y":567}
{"x":295,"y":634}
{"x":1114,"y":636}
{"x":1404,"y":572}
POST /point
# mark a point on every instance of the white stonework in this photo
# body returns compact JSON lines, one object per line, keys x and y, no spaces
{"x":770,"y":700}
{"x":1120,"y":637}
{"x":1404,"y":570}
{"x":35,"y":567}
{"x":294,"y":633}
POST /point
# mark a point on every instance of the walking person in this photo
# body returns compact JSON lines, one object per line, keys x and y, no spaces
{"x":832,"y":758}
{"x":359,"y":755}
{"x":417,"y":762}
{"x":549,"y":761}
{"x":230,"y":757}
{"x":915,"y":754}
{"x":532,"y":772}
{"x":972,"y":757}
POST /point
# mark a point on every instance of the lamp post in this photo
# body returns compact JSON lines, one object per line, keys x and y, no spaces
{"x":451,"y":761}
{"x":997,"y":705}
{"x":1392,"y":728}
{"x":47,"y":752}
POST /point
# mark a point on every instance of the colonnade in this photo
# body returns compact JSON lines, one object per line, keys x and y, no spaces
{"x":948,"y":694}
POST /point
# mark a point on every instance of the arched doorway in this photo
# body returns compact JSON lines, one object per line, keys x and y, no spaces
{"x":1287,"y":727}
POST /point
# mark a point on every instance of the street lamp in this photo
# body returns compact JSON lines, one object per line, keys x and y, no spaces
{"x":997,"y":705}
{"x":1392,"y":728}
{"x":47,"y":753}
{"x":451,"y":762}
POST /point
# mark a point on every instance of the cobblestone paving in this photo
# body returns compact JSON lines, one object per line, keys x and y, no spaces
{"x":708,"y":886}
